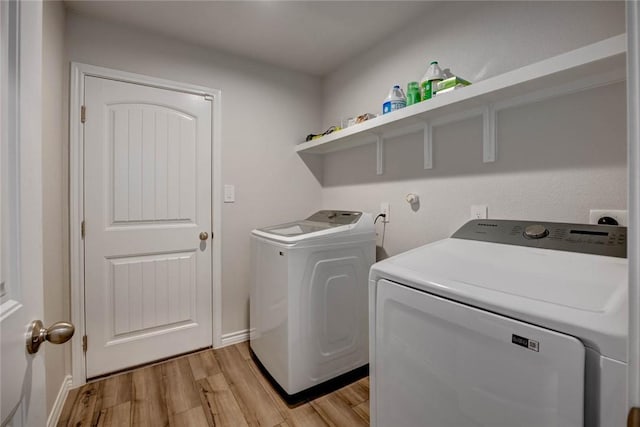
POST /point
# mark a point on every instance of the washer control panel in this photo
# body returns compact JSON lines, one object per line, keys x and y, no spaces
{"x":607,"y":240}
{"x":336,"y":217}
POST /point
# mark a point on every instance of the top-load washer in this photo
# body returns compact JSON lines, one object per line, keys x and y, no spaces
{"x":506,"y":323}
{"x":309,"y":298}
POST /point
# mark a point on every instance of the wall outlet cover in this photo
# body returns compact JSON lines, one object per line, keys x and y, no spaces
{"x":384,"y":209}
{"x":479,"y":211}
{"x":618,"y":214}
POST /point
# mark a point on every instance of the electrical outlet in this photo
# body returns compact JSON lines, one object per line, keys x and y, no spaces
{"x":384,"y":209}
{"x":618,"y":215}
{"x":479,"y":211}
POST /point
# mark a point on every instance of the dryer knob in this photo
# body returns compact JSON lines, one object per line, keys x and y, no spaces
{"x":536,"y":231}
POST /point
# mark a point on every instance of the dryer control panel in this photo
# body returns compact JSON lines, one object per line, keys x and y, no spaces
{"x":606,"y":240}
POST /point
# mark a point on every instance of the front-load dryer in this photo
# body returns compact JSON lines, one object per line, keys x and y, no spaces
{"x":309,"y":299}
{"x":506,"y":323}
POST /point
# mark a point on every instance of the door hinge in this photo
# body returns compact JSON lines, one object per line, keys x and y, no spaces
{"x":82,"y":229}
{"x":84,"y":343}
{"x":83,"y":114}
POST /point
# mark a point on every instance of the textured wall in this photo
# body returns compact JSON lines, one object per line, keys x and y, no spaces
{"x":556,"y":159}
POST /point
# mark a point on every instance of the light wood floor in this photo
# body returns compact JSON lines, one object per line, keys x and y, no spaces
{"x":221,"y":387}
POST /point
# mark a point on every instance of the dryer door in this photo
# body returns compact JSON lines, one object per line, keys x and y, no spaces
{"x":439,"y":363}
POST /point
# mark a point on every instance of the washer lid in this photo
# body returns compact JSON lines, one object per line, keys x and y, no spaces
{"x":321,"y":223}
{"x":579,"y":294}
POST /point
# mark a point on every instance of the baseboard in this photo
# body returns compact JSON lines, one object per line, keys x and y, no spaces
{"x":54,"y":415}
{"x":235,"y":337}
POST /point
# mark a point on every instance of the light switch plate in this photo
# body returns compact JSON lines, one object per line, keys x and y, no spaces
{"x":229,"y":193}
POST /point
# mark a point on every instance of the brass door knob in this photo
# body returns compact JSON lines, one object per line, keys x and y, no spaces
{"x":57,"y":333}
{"x":204,"y":235}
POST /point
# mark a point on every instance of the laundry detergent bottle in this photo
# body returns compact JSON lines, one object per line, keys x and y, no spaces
{"x":395,"y":101}
{"x":429,"y":81}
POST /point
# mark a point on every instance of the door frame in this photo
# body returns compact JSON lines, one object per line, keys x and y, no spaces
{"x":76,"y":196}
{"x":633,"y":152}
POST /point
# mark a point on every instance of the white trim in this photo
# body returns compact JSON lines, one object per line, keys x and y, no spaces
{"x":56,"y":411}
{"x":379,"y":155}
{"x":216,"y":185}
{"x":76,"y":211}
{"x":234,"y":338}
{"x":141,"y":79}
{"x":633,"y":143}
{"x":489,"y":134}
{"x":428,"y":146}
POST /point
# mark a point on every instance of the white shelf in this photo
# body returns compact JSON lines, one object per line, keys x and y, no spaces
{"x":591,"y":66}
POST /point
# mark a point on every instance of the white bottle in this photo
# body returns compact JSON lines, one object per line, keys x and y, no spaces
{"x":430,"y":78}
{"x":395,"y":101}
{"x":447,"y":74}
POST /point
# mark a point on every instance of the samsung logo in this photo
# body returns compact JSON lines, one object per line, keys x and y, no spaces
{"x":525,"y":342}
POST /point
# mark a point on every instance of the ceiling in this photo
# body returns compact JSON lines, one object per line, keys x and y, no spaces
{"x":315,"y":37}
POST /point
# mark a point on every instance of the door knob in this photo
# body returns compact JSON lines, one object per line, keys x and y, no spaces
{"x":204,"y":235}
{"x":57,"y":333}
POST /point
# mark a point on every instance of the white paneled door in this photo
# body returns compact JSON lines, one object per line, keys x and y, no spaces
{"x":22,"y":382}
{"x":147,"y":199}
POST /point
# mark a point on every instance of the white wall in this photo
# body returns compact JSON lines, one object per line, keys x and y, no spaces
{"x":265,"y":111}
{"x":556,"y":159}
{"x":476,"y":39}
{"x":55,"y":193}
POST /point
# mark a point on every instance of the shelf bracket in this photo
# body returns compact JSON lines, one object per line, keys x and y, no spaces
{"x":379,"y":155}
{"x":428,"y":146}
{"x":489,"y":134}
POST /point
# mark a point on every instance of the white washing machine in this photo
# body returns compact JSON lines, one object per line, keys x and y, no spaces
{"x":506,"y":323}
{"x":309,"y":298}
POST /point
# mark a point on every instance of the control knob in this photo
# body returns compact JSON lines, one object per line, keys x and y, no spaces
{"x":536,"y":231}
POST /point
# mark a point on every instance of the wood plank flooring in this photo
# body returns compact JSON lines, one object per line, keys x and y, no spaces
{"x":222,"y":387}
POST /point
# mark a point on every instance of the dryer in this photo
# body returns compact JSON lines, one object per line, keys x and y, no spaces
{"x":506,"y":323}
{"x":309,"y":299}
